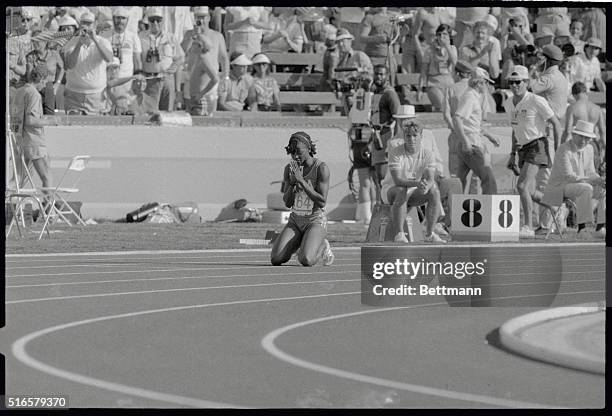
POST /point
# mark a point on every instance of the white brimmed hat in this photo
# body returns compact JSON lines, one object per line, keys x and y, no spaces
{"x":260,"y":58}
{"x":405,"y":111}
{"x":519,"y":73}
{"x":241,"y":60}
{"x":584,"y":128}
{"x":480,"y":73}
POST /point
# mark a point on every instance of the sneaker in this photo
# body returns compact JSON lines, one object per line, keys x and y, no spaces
{"x":541,"y":231}
{"x":584,"y":234}
{"x":328,"y":255}
{"x":440,"y":229}
{"x":601,"y":233}
{"x":526,"y":232}
{"x":434,"y":238}
{"x":400,"y":238}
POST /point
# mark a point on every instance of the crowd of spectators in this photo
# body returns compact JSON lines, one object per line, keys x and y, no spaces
{"x":202,"y":59}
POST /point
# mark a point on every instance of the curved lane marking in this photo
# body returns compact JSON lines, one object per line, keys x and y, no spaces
{"x":19,"y":351}
{"x":268,"y":344}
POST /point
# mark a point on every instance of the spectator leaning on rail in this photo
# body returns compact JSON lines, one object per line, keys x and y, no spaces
{"x":264,"y":94}
{"x":43,"y":55}
{"x":86,"y":56}
{"x":233,"y":91}
{"x":161,"y":58}
{"x":529,"y":115}
{"x":206,"y":51}
{"x":574,"y":176}
{"x":126,"y":46}
{"x":547,"y":81}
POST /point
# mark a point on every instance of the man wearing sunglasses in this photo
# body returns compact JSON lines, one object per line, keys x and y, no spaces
{"x":530,"y":115}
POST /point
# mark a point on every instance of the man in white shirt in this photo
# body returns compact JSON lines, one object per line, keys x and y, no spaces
{"x":126,"y":46}
{"x":86,"y":56}
{"x":410,"y":179}
{"x":586,"y":68}
{"x":573,"y":176}
{"x":529,"y":115}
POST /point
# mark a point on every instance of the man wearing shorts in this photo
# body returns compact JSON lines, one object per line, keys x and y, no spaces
{"x":410,"y":180}
{"x":529,"y":115}
{"x":305,"y":187}
{"x":27,"y":123}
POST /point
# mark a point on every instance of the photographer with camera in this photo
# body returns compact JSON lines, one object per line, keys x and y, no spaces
{"x":162,"y":58}
{"x":86,"y":57}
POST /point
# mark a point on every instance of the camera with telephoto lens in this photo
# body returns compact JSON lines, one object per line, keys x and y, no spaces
{"x":524,"y":55}
{"x":152,"y":54}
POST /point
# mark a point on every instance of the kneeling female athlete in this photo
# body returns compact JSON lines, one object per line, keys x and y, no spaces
{"x":305,"y":186}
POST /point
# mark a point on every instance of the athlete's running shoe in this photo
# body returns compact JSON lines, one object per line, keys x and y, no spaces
{"x":328,"y":255}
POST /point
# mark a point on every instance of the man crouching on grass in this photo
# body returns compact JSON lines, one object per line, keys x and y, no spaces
{"x":410,"y":180}
{"x":305,"y":186}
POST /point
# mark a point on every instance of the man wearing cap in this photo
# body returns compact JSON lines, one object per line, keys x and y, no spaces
{"x":86,"y":56}
{"x":574,"y":176}
{"x":529,"y":118}
{"x":587,"y":67}
{"x":467,"y":125}
{"x":205,"y":51}
{"x":162,"y":57}
{"x":126,"y":47}
{"x":349,"y":58}
{"x":551,"y":84}
{"x":410,"y":180}
{"x":234,"y":91}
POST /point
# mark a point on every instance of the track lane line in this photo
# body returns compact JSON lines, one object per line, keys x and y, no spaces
{"x":18,"y":350}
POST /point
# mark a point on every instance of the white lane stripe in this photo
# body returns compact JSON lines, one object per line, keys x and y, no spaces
{"x":180,"y":269}
{"x":268,"y":344}
{"x":183,"y":289}
{"x":19,"y":351}
{"x":93,"y":282}
{"x":263,"y":250}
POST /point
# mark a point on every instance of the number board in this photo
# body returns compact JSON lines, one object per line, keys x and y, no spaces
{"x":485,"y":217}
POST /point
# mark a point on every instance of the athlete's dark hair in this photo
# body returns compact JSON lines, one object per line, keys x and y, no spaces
{"x":300,"y":136}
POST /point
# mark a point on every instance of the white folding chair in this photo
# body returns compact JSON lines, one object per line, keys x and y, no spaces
{"x":16,"y":212}
{"x":58,"y":196}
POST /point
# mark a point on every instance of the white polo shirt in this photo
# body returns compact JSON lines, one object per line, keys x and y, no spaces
{"x":528,"y":117}
{"x":129,"y":44}
{"x":89,"y":74}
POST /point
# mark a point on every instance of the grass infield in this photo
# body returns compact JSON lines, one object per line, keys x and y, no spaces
{"x":111,"y":236}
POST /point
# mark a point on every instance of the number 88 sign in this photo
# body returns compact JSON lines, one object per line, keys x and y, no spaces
{"x":485,"y":217}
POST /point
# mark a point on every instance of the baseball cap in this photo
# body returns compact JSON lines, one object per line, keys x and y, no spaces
{"x":519,"y":73}
{"x":344,"y":34}
{"x":87,"y":17}
{"x":480,"y":73}
{"x":155,"y":12}
{"x":200,"y":10}
{"x":120,"y":12}
{"x":552,"y":52}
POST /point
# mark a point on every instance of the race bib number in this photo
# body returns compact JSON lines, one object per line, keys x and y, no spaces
{"x":302,"y":204}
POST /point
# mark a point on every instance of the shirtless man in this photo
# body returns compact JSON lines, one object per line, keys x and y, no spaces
{"x":305,"y":187}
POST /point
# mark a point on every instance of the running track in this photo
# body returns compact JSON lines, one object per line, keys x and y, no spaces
{"x":222,"y":328}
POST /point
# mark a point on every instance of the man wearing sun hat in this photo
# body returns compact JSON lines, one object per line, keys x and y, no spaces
{"x":574,"y":176}
{"x":234,"y":91}
{"x":530,"y":116}
{"x":349,"y":58}
{"x":587,"y":67}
